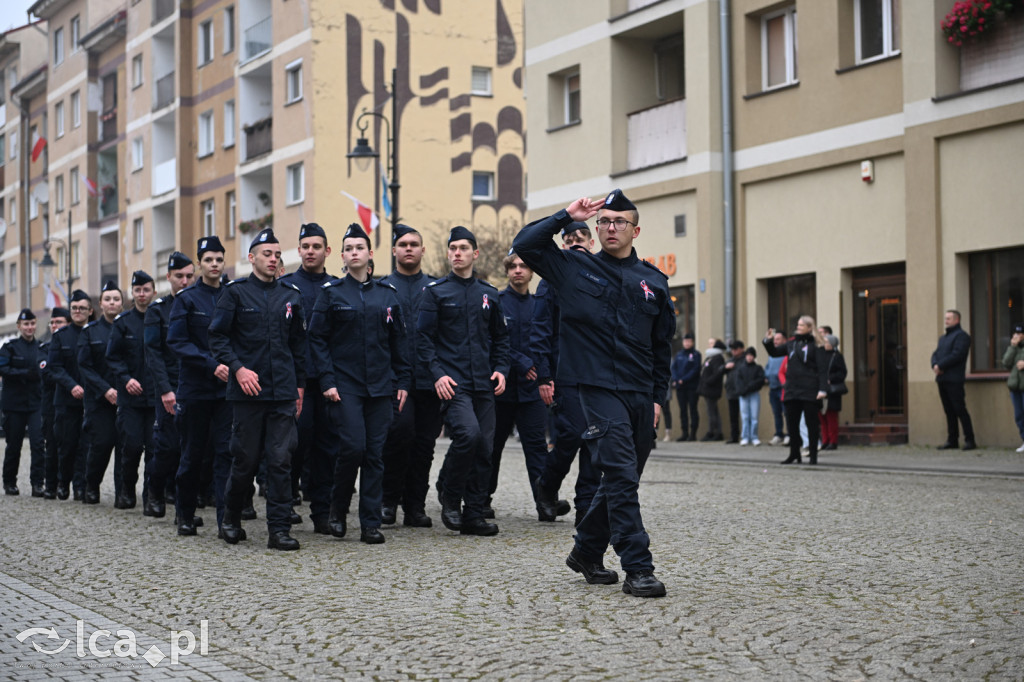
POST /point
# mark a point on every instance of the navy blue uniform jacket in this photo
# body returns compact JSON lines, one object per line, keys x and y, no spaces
{"x":62,"y":364}
{"x":518,"y":310}
{"x":544,"y":337}
{"x":92,"y":361}
{"x":126,"y":357}
{"x":621,"y":307}
{"x":686,"y":367}
{"x":161,"y":362}
{"x":409,"y":289}
{"x":21,"y":365}
{"x":309,"y":286}
{"x":188,"y":336}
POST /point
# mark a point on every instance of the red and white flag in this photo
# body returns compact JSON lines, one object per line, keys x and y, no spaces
{"x":90,"y":187}
{"x":54,"y":293}
{"x":367,"y":217}
{"x":38,"y":143}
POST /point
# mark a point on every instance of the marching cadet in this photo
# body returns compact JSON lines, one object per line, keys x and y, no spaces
{"x":21,"y":364}
{"x":409,"y":449}
{"x":258,"y":331}
{"x":62,"y":363}
{"x":162,"y":366}
{"x":356,"y":337}
{"x":59,"y":318}
{"x":461,"y":338}
{"x":126,"y":358}
{"x":100,"y":429}
{"x":618,"y":307}
{"x":204,"y":416}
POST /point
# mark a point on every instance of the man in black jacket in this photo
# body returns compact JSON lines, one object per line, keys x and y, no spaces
{"x":21,"y":363}
{"x":949,"y":363}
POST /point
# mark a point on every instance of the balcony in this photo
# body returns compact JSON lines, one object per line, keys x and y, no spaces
{"x":257,"y":39}
{"x":165,"y":177}
{"x":258,"y":138}
{"x":108,"y":125}
{"x":164,"y":91}
{"x":162,"y":9}
{"x":656,"y":135}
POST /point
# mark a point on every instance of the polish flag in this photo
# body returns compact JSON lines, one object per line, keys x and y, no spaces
{"x":90,"y":187}
{"x":53,"y":294}
{"x":367,"y":217}
{"x":38,"y":143}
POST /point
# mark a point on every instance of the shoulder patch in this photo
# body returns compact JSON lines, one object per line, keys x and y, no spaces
{"x":435,"y":282}
{"x":387,"y":285}
{"x":235,"y":281}
{"x":289,"y":285}
{"x":654,"y":267}
{"x":159,"y":300}
{"x":488,"y":284}
{"x":120,"y":315}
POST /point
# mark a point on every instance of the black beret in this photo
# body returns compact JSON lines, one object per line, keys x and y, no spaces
{"x":400,"y":231}
{"x":459,"y":232}
{"x":26,"y":314}
{"x":79,"y":295}
{"x":140,"y":277}
{"x":209,"y":244}
{"x":356,"y":231}
{"x":736,"y":344}
{"x":60,"y":312}
{"x":178,"y":260}
{"x":573,"y":226}
{"x":264,"y":237}
{"x":617,"y":201}
{"x":109,"y":285}
{"x":312,"y":230}
{"x":688,"y":335}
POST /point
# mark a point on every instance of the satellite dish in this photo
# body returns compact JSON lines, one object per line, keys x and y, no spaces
{"x":41,"y":192}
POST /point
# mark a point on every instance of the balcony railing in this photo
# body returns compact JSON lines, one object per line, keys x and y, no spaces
{"x":656,"y":135}
{"x":108,"y":125}
{"x":258,"y":138}
{"x":162,"y":9}
{"x":165,"y":176}
{"x":164,"y":91}
{"x":258,"y":38}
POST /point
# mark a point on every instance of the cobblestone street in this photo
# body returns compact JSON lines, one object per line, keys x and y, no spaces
{"x":881,"y":563}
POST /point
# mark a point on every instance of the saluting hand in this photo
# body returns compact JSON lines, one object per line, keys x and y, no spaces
{"x":583,"y":209}
{"x":445,"y":387}
{"x":249,"y":381}
{"x":500,"y":387}
{"x":401,"y":395}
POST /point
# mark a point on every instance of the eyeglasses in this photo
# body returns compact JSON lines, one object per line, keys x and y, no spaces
{"x":619,"y":223}
{"x":79,"y":309}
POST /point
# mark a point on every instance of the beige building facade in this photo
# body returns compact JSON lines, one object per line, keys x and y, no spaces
{"x":869,"y":177}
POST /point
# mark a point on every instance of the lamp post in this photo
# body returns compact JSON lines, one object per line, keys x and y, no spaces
{"x":47,"y":264}
{"x":363,"y":153}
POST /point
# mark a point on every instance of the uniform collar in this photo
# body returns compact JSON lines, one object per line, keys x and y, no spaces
{"x":355,"y":282}
{"x":259,"y":282}
{"x":318,"y":277}
{"x":521,"y":297}
{"x":465,"y":281}
{"x":628,"y":260}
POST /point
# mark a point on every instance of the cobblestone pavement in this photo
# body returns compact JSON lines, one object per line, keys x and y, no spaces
{"x":881,"y":563}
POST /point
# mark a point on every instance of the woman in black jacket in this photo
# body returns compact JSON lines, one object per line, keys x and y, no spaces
{"x":806,"y":383}
{"x":709,"y":386}
{"x":835,"y":369}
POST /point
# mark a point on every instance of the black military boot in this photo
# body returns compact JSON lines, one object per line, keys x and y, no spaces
{"x":231,"y":529}
{"x":451,"y":512}
{"x":155,"y":507}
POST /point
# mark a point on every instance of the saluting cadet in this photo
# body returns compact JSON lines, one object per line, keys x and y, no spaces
{"x":21,"y":364}
{"x":204,"y":416}
{"x":101,"y":399}
{"x":409,"y":449}
{"x":618,"y":307}
{"x":259,"y":331}
{"x":356,"y":337}
{"x":463,"y":341}
{"x":59,"y":318}
{"x":126,"y":357}
{"x":162,"y":366}
{"x":313,"y":429}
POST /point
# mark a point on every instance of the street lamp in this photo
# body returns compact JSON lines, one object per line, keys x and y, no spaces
{"x":363,"y":153}
{"x":47,"y":264}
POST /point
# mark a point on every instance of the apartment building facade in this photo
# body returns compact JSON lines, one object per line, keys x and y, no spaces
{"x":859,"y":169}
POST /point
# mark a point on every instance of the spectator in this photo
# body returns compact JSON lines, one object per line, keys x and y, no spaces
{"x":1013,"y":360}
{"x":949,"y":363}
{"x":686,"y":368}
{"x":749,"y":382}
{"x":775,"y":387}
{"x":836,"y":388}
{"x":710,"y":386}
{"x":731,"y":393}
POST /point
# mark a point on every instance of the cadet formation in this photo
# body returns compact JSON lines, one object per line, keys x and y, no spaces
{"x":307,"y":386}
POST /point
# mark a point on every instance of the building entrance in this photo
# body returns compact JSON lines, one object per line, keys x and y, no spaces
{"x":880,"y":345}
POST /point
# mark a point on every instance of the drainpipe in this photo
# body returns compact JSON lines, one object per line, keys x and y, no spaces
{"x":727,"y":173}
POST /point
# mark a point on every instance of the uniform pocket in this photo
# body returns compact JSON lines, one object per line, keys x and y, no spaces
{"x":596,"y":430}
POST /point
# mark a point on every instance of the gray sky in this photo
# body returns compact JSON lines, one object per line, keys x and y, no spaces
{"x":12,"y":13}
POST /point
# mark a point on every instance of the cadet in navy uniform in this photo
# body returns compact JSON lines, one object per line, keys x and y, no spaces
{"x":62,"y":363}
{"x":100,"y":430}
{"x":259,"y":331}
{"x":560,"y":392}
{"x":314,"y":445}
{"x":59,"y":318}
{"x":204,"y":416}
{"x":409,"y":449}
{"x":685,"y":377}
{"x":618,"y":307}
{"x":162,"y":366}
{"x":463,"y":341}
{"x":356,"y":338}
{"x":21,"y":365}
{"x":126,"y":358}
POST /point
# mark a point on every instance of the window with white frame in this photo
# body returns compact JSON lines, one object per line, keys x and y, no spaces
{"x":73,"y":180}
{"x":229,"y":29}
{"x":76,"y":109}
{"x":209,"y":218}
{"x":205,"y":133}
{"x":58,"y":118}
{"x":13,"y":270}
{"x":293,"y":81}
{"x":232,"y":204}
{"x":138,"y":234}
{"x":76,"y":33}
{"x":296,"y":182}
{"x":206,"y":42}
{"x":14,"y":147}
{"x":229,"y":123}
{"x":778,"y":48}
{"x":58,"y":47}
{"x":483,"y":186}
{"x":571,"y":98}
{"x":136,"y":71}
{"x":58,"y":191}
{"x":138,"y":154}
{"x":481,"y":81}
{"x":876,"y":28}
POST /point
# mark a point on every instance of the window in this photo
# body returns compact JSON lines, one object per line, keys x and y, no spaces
{"x":138,"y":234}
{"x":76,"y":109}
{"x":73,"y":180}
{"x":680,"y":221}
{"x":58,"y":117}
{"x":58,"y":190}
{"x":572,"y":98}
{"x":296,"y":184}
{"x":778,"y":49}
{"x":3,"y":149}
{"x":14,"y":147}
{"x":683,"y":301}
{"x":481,"y":81}
{"x":13,"y":269}
{"x":138,"y":152}
{"x":483,"y":186}
{"x":14,"y":210}
{"x":58,"y":47}
{"x":205,"y":134}
{"x":293,"y":81}
{"x":76,"y":33}
{"x":997,"y":291}
{"x":788,"y":299}
{"x":136,"y":71}
{"x":2,"y":280}
{"x":209,"y":219}
{"x":232,"y":218}
{"x":670,"y":71}
{"x":229,"y":123}
{"x":76,"y":264}
{"x":876,"y":28}
{"x":206,"y":42}
{"x":33,"y":273}
{"x":229,"y":29}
